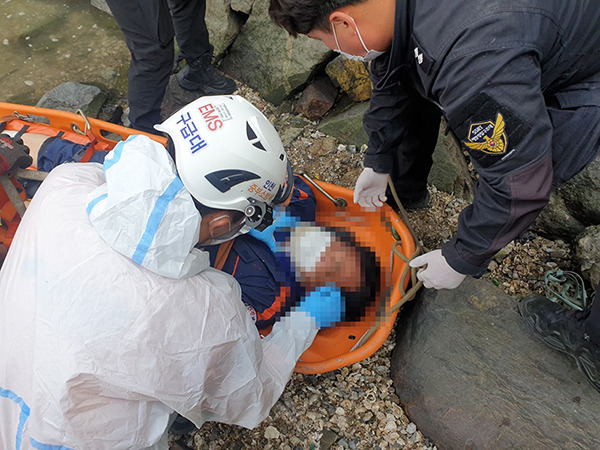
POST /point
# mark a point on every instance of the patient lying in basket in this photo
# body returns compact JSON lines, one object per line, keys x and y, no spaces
{"x":295,"y":262}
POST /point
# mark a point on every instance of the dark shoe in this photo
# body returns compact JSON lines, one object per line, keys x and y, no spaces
{"x":200,"y":75}
{"x":563,"y":330}
{"x":3,"y":252}
{"x":418,"y":202}
{"x":181,"y":425}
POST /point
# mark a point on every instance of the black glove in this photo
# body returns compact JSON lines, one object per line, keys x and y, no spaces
{"x":13,"y":154}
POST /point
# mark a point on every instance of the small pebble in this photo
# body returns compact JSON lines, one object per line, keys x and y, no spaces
{"x":271,"y":432}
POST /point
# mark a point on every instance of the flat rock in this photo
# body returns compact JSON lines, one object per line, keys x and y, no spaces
{"x":71,"y":96}
{"x":470,"y":374}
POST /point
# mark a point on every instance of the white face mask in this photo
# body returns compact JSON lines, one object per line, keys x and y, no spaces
{"x":371,"y":54}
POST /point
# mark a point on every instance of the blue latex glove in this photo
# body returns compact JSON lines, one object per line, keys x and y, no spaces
{"x":282,"y":219}
{"x":325,"y":304}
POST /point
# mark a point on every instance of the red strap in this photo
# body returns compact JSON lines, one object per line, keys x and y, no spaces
{"x":4,"y":165}
{"x":89,"y":152}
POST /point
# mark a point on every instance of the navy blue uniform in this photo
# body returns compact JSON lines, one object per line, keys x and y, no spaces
{"x":519,"y":84}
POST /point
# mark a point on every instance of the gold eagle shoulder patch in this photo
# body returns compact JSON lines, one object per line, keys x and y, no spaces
{"x":488,"y":137}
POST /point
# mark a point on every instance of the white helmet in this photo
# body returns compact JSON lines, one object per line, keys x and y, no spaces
{"x":229,"y":156}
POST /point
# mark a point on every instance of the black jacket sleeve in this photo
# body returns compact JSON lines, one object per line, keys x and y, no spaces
{"x":495,"y":106}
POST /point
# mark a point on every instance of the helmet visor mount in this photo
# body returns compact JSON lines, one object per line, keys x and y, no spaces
{"x":259,"y":215}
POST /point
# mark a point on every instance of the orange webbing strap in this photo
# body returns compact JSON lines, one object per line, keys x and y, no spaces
{"x":222,"y":254}
{"x":89,"y":152}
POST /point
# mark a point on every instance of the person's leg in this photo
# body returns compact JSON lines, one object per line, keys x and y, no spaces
{"x":190,"y":28}
{"x":413,"y":159}
{"x":148,"y":31}
{"x":194,"y":46}
{"x":575,"y":139}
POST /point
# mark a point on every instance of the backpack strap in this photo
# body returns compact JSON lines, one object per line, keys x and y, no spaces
{"x":223,"y":253}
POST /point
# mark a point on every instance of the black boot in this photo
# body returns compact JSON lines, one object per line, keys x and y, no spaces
{"x":563,"y":330}
{"x":417,"y":202}
{"x":181,"y":426}
{"x":200,"y":75}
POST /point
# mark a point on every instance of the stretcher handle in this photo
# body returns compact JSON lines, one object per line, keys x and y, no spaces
{"x":339,"y":202}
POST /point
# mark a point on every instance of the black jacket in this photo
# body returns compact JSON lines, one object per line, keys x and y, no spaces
{"x":493,"y":68}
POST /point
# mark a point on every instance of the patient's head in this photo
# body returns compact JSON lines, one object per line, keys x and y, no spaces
{"x":322,"y":256}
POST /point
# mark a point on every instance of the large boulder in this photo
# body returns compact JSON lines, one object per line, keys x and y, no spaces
{"x":224,"y":20}
{"x":582,"y":195}
{"x":573,"y":206}
{"x":587,"y":252}
{"x":352,"y":77}
{"x":344,"y":122}
{"x":450,"y":172}
{"x":264,"y":57}
{"x":470,"y":374}
{"x":556,"y":221}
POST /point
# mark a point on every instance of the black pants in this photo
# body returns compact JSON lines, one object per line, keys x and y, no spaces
{"x":149,"y":27}
{"x":413,"y":160}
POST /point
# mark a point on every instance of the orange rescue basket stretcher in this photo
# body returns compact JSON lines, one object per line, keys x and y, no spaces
{"x":382,"y":231}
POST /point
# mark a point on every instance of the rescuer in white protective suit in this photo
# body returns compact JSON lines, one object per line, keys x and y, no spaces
{"x":111,"y":318}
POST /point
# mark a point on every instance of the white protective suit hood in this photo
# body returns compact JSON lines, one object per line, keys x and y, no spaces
{"x":144,"y":212}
